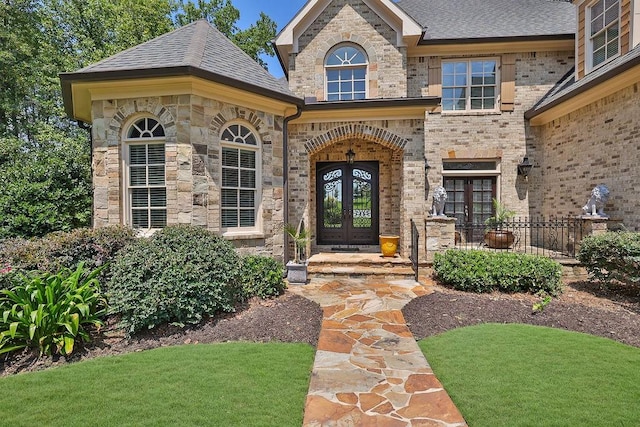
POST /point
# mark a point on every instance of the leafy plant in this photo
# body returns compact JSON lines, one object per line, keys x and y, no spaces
{"x":178,"y":275}
{"x":539,"y":306}
{"x":50,"y":311}
{"x":484,"y":271}
{"x":262,"y":277}
{"x":300,"y":237}
{"x":501,"y":215}
{"x":612,"y":256}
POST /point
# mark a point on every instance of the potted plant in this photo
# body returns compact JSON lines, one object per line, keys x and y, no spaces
{"x":495,"y":235}
{"x":297,"y":269}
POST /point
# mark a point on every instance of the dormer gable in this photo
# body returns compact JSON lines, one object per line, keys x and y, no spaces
{"x":408,"y":31}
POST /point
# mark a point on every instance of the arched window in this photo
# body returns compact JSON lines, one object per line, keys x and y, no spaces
{"x":346,"y":73}
{"x":240,"y":178}
{"x":145,"y":184}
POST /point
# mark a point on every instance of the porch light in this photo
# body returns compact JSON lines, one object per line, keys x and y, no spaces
{"x":351,"y":156}
{"x":524,"y":168}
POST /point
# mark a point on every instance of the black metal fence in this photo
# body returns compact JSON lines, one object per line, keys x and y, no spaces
{"x":551,"y":237}
{"x":415,"y":237}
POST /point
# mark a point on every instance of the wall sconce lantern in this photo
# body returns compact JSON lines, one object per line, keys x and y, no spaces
{"x":351,"y":156}
{"x":524,"y":168}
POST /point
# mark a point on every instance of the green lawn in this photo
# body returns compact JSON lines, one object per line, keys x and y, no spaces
{"x":235,"y":384}
{"x":521,"y":375}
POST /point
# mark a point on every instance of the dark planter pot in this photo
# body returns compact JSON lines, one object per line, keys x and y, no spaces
{"x":499,"y":239}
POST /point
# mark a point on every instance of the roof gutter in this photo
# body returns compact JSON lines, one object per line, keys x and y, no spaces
{"x":426,"y":41}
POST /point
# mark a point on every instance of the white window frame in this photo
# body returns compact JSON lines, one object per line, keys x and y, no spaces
{"x":590,"y":66}
{"x":468,"y":109}
{"x":346,"y":66}
{"x":128,"y":188}
{"x":257,"y":149}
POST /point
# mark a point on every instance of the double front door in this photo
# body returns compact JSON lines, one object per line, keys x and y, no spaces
{"x":347,"y":204}
{"x":470,"y":201}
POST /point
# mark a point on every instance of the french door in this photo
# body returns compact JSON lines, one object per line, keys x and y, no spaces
{"x":347,"y":206}
{"x":470,"y":201}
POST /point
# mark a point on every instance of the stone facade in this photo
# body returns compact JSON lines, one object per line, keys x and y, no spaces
{"x":597,"y":144}
{"x":193,"y":172}
{"x":346,"y":21}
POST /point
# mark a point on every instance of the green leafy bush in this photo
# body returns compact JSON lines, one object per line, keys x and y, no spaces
{"x":484,"y":271}
{"x":50,"y":311}
{"x":94,"y":247}
{"x":612,"y":256}
{"x":262,"y":277}
{"x":179,"y":275}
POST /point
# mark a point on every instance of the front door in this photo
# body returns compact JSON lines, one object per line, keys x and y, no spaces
{"x":347,"y":203}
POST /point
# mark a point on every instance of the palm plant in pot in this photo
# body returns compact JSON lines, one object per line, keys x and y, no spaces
{"x":297,"y":268}
{"x":496,"y":236}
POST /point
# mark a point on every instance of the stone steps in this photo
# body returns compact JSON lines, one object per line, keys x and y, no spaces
{"x":358,"y":265}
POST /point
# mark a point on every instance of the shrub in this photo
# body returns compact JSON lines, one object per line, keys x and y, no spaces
{"x":94,"y":247}
{"x":483,"y":271}
{"x":49,"y":311}
{"x":178,"y":275}
{"x":262,"y":277}
{"x":612,"y":256}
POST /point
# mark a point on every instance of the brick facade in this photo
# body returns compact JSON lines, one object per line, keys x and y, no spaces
{"x":596,"y":144}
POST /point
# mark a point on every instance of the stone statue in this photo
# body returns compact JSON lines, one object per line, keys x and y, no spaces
{"x":439,"y":200}
{"x":595,"y":205}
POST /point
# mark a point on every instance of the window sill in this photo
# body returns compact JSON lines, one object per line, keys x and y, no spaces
{"x":472,"y":113}
{"x":243,"y":235}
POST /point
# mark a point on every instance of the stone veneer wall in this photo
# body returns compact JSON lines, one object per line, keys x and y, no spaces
{"x":503,"y":135}
{"x":597,"y":144}
{"x":396,"y":144}
{"x":356,"y":23}
{"x":192,"y":127}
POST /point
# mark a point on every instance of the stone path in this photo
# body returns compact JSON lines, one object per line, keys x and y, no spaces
{"x":369,"y":370}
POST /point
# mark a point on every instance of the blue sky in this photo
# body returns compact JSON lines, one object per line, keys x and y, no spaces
{"x":280,"y":11}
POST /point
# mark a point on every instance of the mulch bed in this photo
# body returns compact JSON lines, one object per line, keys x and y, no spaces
{"x":584,"y":307}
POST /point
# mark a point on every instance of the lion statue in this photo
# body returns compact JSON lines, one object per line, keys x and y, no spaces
{"x":439,"y":200}
{"x":599,"y":198}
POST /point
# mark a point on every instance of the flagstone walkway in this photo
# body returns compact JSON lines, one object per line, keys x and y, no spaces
{"x":369,"y":370}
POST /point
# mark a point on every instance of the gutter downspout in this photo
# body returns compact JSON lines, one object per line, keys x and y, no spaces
{"x":87,"y":127}
{"x":285,"y":178}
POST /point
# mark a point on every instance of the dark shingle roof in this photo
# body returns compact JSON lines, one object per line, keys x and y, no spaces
{"x":568,"y":87}
{"x":471,"y":19}
{"x":197,"y":46}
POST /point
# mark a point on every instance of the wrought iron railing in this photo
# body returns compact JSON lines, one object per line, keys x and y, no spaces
{"x":415,"y":237}
{"x":551,"y":237}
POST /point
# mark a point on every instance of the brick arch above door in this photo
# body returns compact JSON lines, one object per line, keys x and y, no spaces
{"x":356,"y":131}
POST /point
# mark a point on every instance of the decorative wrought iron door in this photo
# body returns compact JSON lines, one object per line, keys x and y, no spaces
{"x":347,"y":203}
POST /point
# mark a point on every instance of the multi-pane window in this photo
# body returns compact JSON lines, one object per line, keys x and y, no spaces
{"x":469,"y":85}
{"x":146,"y":185}
{"x":239,"y":178}
{"x":346,"y":72}
{"x":604,"y":30}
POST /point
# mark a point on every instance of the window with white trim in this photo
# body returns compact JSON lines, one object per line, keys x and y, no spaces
{"x":146,"y":184}
{"x":604,"y":31}
{"x":470,"y":85}
{"x":346,"y":74}
{"x":240,"y":174}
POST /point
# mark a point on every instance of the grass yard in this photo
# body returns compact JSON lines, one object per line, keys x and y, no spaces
{"x":521,"y":375}
{"x":234,"y":384}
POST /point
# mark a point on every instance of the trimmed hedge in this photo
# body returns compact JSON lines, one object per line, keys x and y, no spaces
{"x":262,"y":277}
{"x":484,"y":271}
{"x":178,"y":275}
{"x":612,"y":256}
